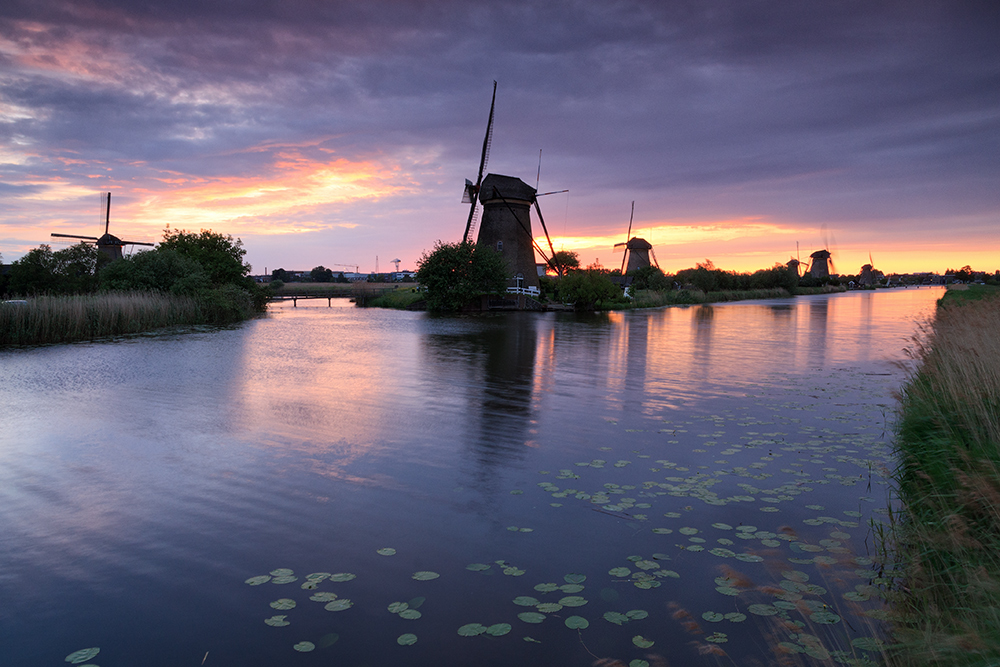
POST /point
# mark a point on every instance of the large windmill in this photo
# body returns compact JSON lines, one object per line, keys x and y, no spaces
{"x":821,"y":265}
{"x":506,"y":219}
{"x":637,"y":250}
{"x":108,"y":245}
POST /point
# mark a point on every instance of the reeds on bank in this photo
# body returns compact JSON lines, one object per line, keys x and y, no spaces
{"x":947,"y":536}
{"x":59,"y":319}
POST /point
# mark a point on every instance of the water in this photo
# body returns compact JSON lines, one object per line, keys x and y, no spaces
{"x":142,"y":481}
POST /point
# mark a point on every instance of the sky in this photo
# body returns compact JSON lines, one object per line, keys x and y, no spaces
{"x":340,"y":133}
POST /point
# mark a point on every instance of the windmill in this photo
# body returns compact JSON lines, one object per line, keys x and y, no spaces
{"x":108,"y":245}
{"x":506,"y":218}
{"x":821,"y":264}
{"x":637,"y":250}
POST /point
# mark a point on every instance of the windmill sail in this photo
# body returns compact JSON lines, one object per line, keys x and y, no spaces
{"x":484,"y":158}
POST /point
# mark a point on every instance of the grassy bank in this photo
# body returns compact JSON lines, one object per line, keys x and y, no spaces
{"x":653,"y":299}
{"x":947,"y":537}
{"x":62,"y":319}
{"x":400,"y":298}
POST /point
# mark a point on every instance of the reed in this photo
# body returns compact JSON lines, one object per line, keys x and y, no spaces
{"x":947,"y":535}
{"x":60,"y":319}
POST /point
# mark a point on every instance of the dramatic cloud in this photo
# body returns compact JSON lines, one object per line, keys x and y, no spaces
{"x":333,"y":132}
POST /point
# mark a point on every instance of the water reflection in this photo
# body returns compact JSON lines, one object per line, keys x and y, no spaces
{"x":819,"y":312}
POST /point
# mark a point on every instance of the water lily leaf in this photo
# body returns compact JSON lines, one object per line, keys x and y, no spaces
{"x":724,"y":553}
{"x":318,"y":576}
{"x":722,"y":526}
{"x":525,"y":601}
{"x":575,"y":578}
{"x":531,"y":617}
{"x":406,"y":640}
{"x":619,"y":572}
{"x":472,"y":629}
{"x":304,"y":647}
{"x":717,"y":638}
{"x":572,"y":601}
{"x":577,"y":622}
{"x":824,"y":618}
{"x":339,"y":605}
{"x":323,"y":596}
{"x":283,"y":604}
{"x":284,"y":580}
{"x":498,"y":629}
{"x":549,"y":607}
{"x":795,"y":575}
{"x":728,"y":590}
{"x":425,"y":575}
{"x":571,"y":588}
{"x":736,"y":617}
{"x":868,"y":644}
{"x":257,"y":581}
{"x":762,"y":609}
{"x":638,"y":663}
{"x":277,"y":621}
{"x":668,"y":573}
{"x":477,"y":567}
{"x":687,"y":530}
{"x":410,"y":614}
{"x":713,"y":616}
{"x":386,"y":551}
{"x":342,"y":576}
{"x":661,"y":557}
{"x":855,"y":596}
{"x":310,"y":585}
{"x":749,"y":558}
{"x":83,"y":655}
{"x":532,"y":640}
{"x":397,"y":607}
{"x":615,"y":617}
{"x":546,"y":588}
{"x":282,"y":572}
{"x":512,"y":571}
{"x":642,"y":642}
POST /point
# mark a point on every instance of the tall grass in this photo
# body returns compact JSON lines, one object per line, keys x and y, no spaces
{"x":947,"y":607}
{"x":61,"y":319}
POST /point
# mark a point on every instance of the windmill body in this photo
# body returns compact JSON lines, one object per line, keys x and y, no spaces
{"x":506,"y":226}
{"x":638,"y":253}
{"x":108,"y":245}
{"x":820,"y":266}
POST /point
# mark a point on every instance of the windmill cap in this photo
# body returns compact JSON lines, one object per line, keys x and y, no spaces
{"x":820,"y":254}
{"x":639,"y":244}
{"x":509,"y":188}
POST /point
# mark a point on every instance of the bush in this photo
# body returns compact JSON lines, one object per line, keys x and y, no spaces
{"x":588,"y":289}
{"x":455,"y":274}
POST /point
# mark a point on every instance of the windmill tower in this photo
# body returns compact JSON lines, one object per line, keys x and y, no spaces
{"x":637,"y":250}
{"x":820,"y":265}
{"x":108,"y":245}
{"x":506,"y":218}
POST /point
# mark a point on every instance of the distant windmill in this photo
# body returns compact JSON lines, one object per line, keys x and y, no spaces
{"x":108,"y":245}
{"x":637,"y":250}
{"x":506,"y":220}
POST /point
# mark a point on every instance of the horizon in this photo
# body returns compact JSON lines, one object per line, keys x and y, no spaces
{"x":329,"y":135}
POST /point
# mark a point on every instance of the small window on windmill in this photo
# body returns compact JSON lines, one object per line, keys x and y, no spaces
{"x":499,"y":246}
{"x":519,"y":280}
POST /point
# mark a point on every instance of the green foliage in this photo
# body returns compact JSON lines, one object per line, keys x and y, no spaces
{"x":341,"y":278}
{"x":161,"y":269}
{"x":321,"y":274}
{"x":42,"y":271}
{"x":455,"y":274}
{"x":649,"y":278}
{"x":707,"y":278}
{"x":588,"y":289}
{"x":565,"y":260}
{"x":282,"y":275}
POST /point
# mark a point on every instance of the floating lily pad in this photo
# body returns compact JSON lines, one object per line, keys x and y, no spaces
{"x":277,"y":621}
{"x":513,"y":571}
{"x":310,"y":585}
{"x":642,"y":642}
{"x":736,"y":617}
{"x":713,"y":616}
{"x":339,"y":605}
{"x":824,"y":618}
{"x":572,"y":601}
{"x":83,"y":655}
{"x":615,"y":617}
{"x":425,"y":575}
{"x":549,"y":607}
{"x":477,"y":567}
{"x":637,"y":614}
{"x":571,"y":588}
{"x":531,"y":617}
{"x":577,"y":622}
{"x":638,"y":663}
{"x":546,"y":588}
{"x":257,"y":581}
{"x":723,"y":553}
{"x":498,"y":629}
{"x":687,"y":530}
{"x":397,"y":607}
{"x":304,"y":647}
{"x":282,"y":572}
{"x":343,"y":576}
{"x":532,"y":640}
{"x":662,"y":531}
{"x":386,"y":551}
{"x":717,"y":638}
{"x":661,"y":557}
{"x":525,"y":601}
{"x":872,"y":644}
{"x":323,"y":596}
{"x":472,"y":629}
{"x":619,"y":572}
{"x":410,"y":614}
{"x":406,"y":640}
{"x":749,"y":558}
{"x":284,"y":580}
{"x":283,"y":604}
{"x":318,"y":576}
{"x":722,"y":526}
{"x":762,"y":610}
{"x":575,"y":578}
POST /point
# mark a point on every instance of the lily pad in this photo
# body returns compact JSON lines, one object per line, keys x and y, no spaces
{"x":531,"y":617}
{"x":277,"y":621}
{"x":282,"y":572}
{"x":83,"y":655}
{"x":713,"y":616}
{"x":619,"y":572}
{"x":722,"y":526}
{"x":287,"y":579}
{"x":824,"y":618}
{"x":339,"y":605}
{"x":575,"y":578}
{"x":525,"y":601}
{"x":257,"y":581}
{"x":342,"y":576}
{"x":283,"y":604}
{"x":638,"y":663}
{"x":642,"y":642}
{"x":615,"y":617}
{"x":386,"y":551}
{"x":397,"y":607}
{"x":577,"y":622}
{"x":546,"y":588}
{"x":572,"y":601}
{"x":323,"y":596}
{"x":736,"y":617}
{"x":571,"y":588}
{"x":304,"y":647}
{"x":410,"y":614}
{"x":549,"y":607}
{"x":406,"y":640}
{"x":498,"y":629}
{"x":472,"y":629}
{"x":762,"y":610}
{"x":717,"y":638}
{"x":637,"y":614}
{"x":425,"y":575}
{"x":477,"y":567}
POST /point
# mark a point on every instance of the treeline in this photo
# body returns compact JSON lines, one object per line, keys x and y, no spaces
{"x":206,"y":268}
{"x":319,"y":274}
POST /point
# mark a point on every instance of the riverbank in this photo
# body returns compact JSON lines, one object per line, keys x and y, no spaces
{"x":946,"y":609}
{"x":65,"y":319}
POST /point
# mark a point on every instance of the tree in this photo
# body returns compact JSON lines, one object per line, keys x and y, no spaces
{"x":220,"y":255}
{"x":67,"y":271}
{"x":321,"y":274}
{"x":587,"y":289}
{"x":649,"y":277}
{"x":280,"y":274}
{"x":565,"y":260}
{"x":455,"y":274}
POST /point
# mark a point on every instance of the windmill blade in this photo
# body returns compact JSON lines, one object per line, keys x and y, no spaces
{"x":75,"y":236}
{"x":151,"y":245}
{"x":484,"y":158}
{"x":627,"y":235}
{"x":620,"y":247}
{"x":538,"y":209}
{"x":107,"y":212}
